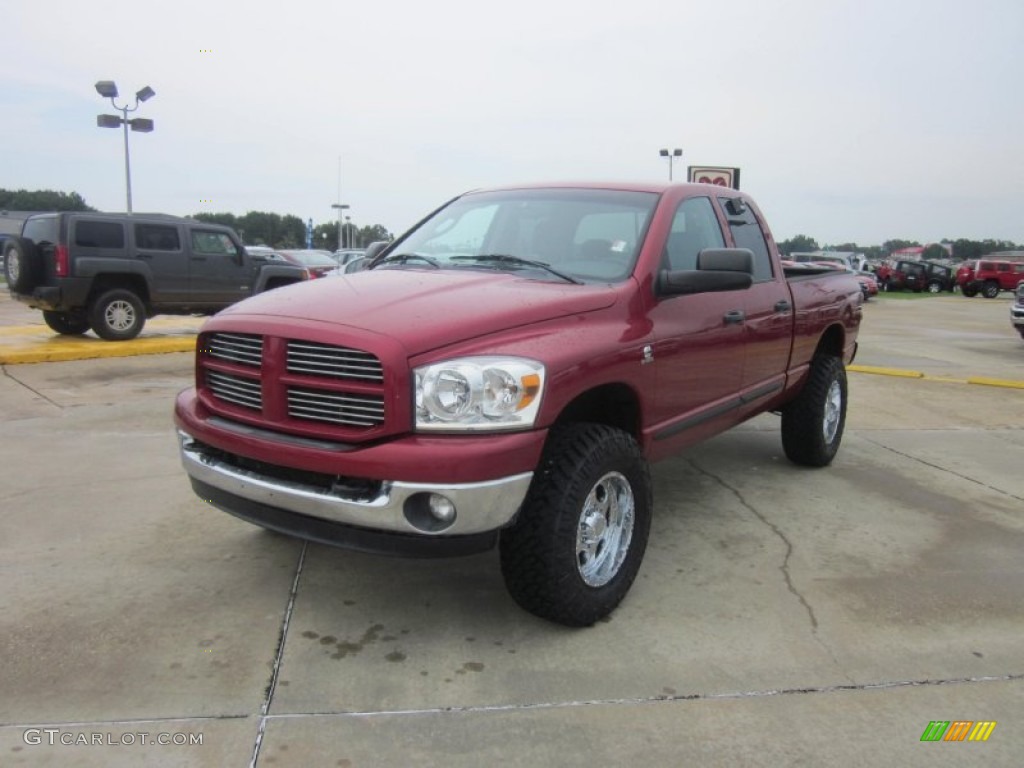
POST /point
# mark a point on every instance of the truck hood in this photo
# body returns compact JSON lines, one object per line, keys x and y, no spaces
{"x":423,"y":309}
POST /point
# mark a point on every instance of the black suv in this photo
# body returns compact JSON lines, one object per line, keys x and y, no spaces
{"x":109,"y":272}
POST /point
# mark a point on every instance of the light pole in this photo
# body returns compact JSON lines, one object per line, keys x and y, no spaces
{"x":341,"y":208}
{"x":675,"y":153}
{"x":108,"y":90}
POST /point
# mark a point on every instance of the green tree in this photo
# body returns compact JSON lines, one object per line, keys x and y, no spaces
{"x":896,"y":245}
{"x":798,"y":244}
{"x":934,"y":252}
{"x":42,"y":200}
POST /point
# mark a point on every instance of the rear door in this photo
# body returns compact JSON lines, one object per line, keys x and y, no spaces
{"x":768,"y":324}
{"x":158,"y":245}
{"x":219,"y":272}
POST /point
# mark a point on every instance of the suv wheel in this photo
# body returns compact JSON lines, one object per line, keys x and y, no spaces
{"x":991,"y":289}
{"x":580,"y":536}
{"x":66,"y":323}
{"x":117,"y":315}
{"x":19,"y":265}
{"x":934,"y":287}
{"x":969,"y":290}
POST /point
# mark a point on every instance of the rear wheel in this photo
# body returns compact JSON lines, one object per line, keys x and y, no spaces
{"x":812,"y":425}
{"x":991,"y":289}
{"x":66,"y":323}
{"x":20,"y":265}
{"x":576,"y":547}
{"x":117,"y":315}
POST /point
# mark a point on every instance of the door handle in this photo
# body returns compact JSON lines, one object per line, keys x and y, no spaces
{"x":783,"y":306}
{"x":734,"y":316}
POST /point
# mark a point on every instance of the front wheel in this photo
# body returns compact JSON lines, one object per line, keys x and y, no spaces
{"x":991,"y":290}
{"x":579,"y":539}
{"x":812,"y":425}
{"x":934,"y":287}
{"x":66,"y":323}
{"x":969,"y":291}
{"x":117,"y":315}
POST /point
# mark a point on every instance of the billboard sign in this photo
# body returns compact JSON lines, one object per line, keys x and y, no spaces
{"x":708,"y":174}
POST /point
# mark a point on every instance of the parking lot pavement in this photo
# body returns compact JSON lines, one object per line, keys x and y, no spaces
{"x":782,"y":615}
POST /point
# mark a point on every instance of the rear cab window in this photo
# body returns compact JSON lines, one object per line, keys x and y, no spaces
{"x":107,"y":235}
{"x":747,"y":233}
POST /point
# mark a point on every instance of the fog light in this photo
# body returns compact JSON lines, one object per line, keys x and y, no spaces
{"x":430,"y":512}
{"x":441,"y":508}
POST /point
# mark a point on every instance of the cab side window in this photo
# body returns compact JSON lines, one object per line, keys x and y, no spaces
{"x":212,"y":243}
{"x":747,"y":233}
{"x":694,"y":228}
{"x":99,"y":234}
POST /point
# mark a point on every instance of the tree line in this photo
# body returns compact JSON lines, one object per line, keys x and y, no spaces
{"x":962,"y":248}
{"x":277,"y":231}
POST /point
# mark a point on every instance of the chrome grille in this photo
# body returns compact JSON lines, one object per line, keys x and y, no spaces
{"x":236,"y":348}
{"x":235,"y":389}
{"x":335,"y":407}
{"x":308,"y":357}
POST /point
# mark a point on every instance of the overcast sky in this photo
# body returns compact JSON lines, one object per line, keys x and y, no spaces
{"x":851,"y":120}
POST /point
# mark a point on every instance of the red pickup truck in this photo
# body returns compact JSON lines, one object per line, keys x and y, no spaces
{"x":503,"y":374}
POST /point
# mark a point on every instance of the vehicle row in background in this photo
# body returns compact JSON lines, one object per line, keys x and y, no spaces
{"x":988,"y":277}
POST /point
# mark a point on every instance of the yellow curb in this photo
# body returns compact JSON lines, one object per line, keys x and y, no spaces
{"x":61,"y":350}
{"x":996,"y":382}
{"x":885,"y":371}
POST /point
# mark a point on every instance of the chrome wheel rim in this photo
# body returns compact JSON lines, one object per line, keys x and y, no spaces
{"x":605,"y":529}
{"x":13,"y":267}
{"x":833,"y":410}
{"x":119,"y":315}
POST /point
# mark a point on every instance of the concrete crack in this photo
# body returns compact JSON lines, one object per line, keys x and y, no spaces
{"x":34,"y":391}
{"x":784,"y":566}
{"x":278,"y":655}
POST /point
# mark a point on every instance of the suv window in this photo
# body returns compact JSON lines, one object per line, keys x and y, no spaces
{"x":746,"y":232}
{"x":157,"y":237}
{"x":694,"y":228}
{"x":99,"y":234}
{"x":212,"y":242}
{"x":40,"y":229}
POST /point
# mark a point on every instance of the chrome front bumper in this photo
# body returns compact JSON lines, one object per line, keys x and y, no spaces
{"x":479,"y":507}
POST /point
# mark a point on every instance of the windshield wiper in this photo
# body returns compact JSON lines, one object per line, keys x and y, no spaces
{"x":405,"y":258}
{"x":515,"y":261}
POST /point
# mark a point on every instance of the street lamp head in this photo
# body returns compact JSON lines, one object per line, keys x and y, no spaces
{"x":107,"y":89}
{"x":145,"y":94}
{"x":108,"y":121}
{"x":677,"y":153}
{"x":663,"y":152}
{"x":141,"y":125}
{"x":340,"y":206}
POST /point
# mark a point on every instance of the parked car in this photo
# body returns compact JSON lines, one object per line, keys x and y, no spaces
{"x":1017,"y":310}
{"x":319,"y":263}
{"x":346,"y":255}
{"x":917,"y":276}
{"x":111,"y":271}
{"x":988,"y":277}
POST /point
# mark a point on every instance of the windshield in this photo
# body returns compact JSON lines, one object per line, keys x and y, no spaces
{"x":580,"y":235}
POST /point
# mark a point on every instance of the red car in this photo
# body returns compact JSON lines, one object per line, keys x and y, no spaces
{"x":989,"y":277}
{"x":319,"y":263}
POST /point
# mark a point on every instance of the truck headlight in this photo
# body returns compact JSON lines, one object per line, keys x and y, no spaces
{"x":478,"y":393}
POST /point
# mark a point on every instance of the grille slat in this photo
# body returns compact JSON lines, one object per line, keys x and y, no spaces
{"x":316,"y":359}
{"x":335,"y":407}
{"x":235,"y":389}
{"x":236,"y":348}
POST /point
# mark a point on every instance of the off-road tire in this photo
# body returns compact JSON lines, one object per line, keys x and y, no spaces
{"x":969,"y":291}
{"x":586,"y":518}
{"x":117,"y":315}
{"x":990,"y":290}
{"x":813,"y":423}
{"x":66,"y":323}
{"x":21,"y":265}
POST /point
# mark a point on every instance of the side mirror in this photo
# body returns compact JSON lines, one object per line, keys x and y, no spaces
{"x":374,"y":249}
{"x":718,"y":269}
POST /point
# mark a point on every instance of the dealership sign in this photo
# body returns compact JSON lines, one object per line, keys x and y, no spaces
{"x":708,"y":174}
